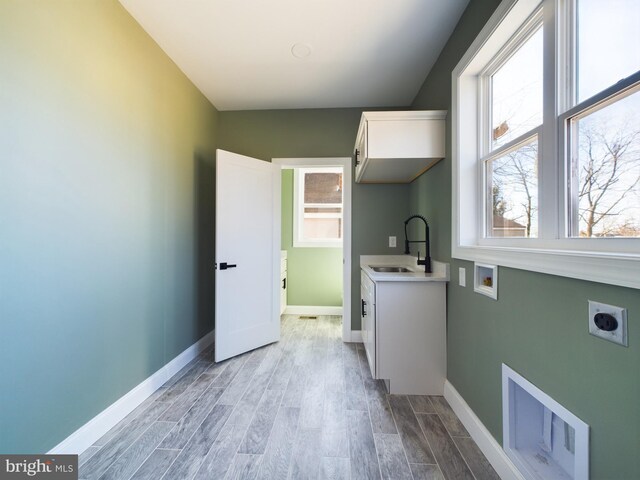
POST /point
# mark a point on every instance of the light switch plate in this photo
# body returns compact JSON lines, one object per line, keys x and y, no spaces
{"x":619,"y":335}
{"x":392,"y":242}
{"x":462,"y":277}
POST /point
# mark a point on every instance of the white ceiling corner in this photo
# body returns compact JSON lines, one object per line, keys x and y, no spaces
{"x":364,"y":53}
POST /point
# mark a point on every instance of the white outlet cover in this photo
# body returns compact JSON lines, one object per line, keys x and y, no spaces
{"x":462,"y":277}
{"x":392,"y":242}
{"x":619,"y":335}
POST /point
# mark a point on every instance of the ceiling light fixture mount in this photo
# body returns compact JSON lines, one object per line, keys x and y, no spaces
{"x":301,"y":50}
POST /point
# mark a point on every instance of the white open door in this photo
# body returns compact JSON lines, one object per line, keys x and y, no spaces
{"x":247,"y":254}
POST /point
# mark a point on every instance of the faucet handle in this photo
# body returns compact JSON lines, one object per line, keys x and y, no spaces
{"x":421,"y":262}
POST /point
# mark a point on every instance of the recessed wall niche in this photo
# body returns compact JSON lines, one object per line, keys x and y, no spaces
{"x":542,"y":438}
{"x":485,"y":280}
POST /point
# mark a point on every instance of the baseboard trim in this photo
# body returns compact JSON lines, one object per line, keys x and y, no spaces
{"x":503,"y":466}
{"x":95,"y":428}
{"x":312,"y":310}
{"x":356,"y":336}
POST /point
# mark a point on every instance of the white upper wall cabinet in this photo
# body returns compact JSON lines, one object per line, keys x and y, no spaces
{"x":398,"y":147}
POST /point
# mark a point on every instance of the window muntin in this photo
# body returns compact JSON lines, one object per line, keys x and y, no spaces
{"x":607,"y":38}
{"x":512,"y":191}
{"x":318,"y":207}
{"x":605,"y":166}
{"x":516,"y":92}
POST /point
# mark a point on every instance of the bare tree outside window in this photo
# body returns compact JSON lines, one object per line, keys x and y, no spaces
{"x":609,"y":177}
{"x":514,"y":190}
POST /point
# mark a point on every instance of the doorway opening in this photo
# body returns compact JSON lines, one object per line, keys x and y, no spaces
{"x":315,"y":270}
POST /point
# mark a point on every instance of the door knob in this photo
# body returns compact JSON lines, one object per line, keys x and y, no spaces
{"x":225,"y":265}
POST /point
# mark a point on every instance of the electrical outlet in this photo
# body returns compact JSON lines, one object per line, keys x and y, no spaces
{"x":392,"y":242}
{"x":608,"y":322}
{"x":462,"y":277}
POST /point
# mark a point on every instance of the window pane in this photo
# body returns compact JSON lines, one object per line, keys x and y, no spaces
{"x":513,"y":194}
{"x":322,"y":228}
{"x":516,"y":98}
{"x":608,"y":43}
{"x":606,"y":170}
{"x":322,"y":188}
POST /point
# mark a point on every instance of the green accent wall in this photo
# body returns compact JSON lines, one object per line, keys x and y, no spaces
{"x":106,"y":207}
{"x":378,"y":211}
{"x":314,"y":275}
{"x":538,"y":326}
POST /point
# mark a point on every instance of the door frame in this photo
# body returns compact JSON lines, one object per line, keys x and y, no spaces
{"x":345,"y":163}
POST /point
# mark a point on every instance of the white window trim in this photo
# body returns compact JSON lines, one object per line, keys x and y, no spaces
{"x":298,"y":211}
{"x":549,"y":253}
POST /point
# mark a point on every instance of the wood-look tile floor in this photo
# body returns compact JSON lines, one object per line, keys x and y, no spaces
{"x":303,"y":408}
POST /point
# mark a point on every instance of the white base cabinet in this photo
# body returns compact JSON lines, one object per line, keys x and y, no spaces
{"x":404,"y":334}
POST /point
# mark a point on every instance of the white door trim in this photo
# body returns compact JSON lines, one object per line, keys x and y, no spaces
{"x":345,"y":163}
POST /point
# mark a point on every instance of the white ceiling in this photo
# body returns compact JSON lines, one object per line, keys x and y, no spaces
{"x":364,"y":53}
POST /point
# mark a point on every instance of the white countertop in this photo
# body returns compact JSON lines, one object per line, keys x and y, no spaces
{"x":440,"y":271}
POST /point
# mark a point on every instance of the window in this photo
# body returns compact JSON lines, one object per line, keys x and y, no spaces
{"x":546,"y":140}
{"x":513,"y":91}
{"x":317,"y":207}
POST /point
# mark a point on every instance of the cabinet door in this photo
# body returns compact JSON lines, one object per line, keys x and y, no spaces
{"x":368,"y":318}
{"x":406,"y":139}
{"x":363,"y":317}
{"x":361,"y":151}
{"x":372,"y":347}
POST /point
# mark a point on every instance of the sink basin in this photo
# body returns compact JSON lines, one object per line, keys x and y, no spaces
{"x":390,"y":270}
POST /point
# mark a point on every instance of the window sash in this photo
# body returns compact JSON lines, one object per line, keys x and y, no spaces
{"x":519,"y":38}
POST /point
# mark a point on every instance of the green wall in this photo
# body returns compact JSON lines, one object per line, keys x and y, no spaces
{"x":538,"y":326}
{"x":106,"y":208}
{"x":314,"y":275}
{"x":377,"y":210}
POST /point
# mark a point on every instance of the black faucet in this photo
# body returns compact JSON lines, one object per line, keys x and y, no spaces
{"x":427,"y":259}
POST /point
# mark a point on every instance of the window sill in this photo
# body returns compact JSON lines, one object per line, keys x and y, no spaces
{"x":614,"y":269}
